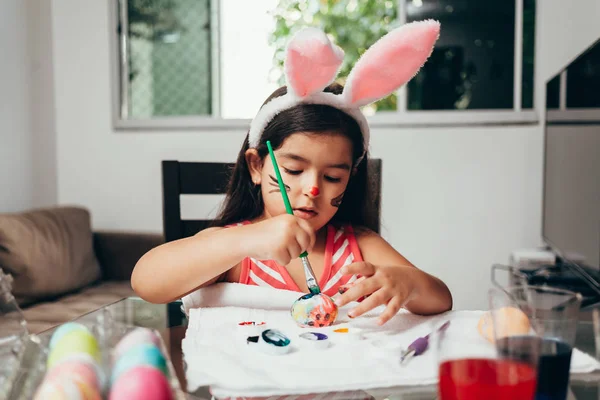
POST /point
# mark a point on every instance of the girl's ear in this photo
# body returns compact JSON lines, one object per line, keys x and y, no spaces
{"x":255,"y":165}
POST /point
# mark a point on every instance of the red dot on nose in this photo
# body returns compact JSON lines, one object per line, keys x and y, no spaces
{"x":314,"y":191}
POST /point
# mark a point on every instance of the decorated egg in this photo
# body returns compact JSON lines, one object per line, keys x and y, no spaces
{"x":511,"y":322}
{"x":314,"y":310}
{"x":141,"y":383}
{"x":64,"y":388}
{"x":135,"y":337}
{"x":142,"y":354}
{"x":63,"y":330}
{"x":76,"y":341}
{"x":77,"y":370}
{"x":82,"y":358}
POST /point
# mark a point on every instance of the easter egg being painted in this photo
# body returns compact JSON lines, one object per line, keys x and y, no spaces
{"x":511,"y":322}
{"x":74,"y":342}
{"x":141,"y":383}
{"x":142,"y":354}
{"x":314,"y":310}
{"x":135,"y":337}
{"x":64,"y":329}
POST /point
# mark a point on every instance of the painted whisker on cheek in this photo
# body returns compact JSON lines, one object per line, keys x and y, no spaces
{"x":275,"y":184}
{"x":337,"y":201}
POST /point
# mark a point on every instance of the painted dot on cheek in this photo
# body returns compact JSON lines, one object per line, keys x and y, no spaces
{"x":314,"y":191}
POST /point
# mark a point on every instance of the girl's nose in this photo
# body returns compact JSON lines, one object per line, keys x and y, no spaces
{"x":313,"y":191}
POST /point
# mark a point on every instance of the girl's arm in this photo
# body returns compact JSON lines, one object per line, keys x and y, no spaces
{"x":174,"y":269}
{"x":393,"y":280}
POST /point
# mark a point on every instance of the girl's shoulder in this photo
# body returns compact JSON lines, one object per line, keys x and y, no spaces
{"x":353,"y":230}
{"x":238,"y":224}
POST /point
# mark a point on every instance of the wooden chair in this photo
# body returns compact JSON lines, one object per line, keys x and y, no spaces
{"x":203,"y":178}
{"x":189,"y":178}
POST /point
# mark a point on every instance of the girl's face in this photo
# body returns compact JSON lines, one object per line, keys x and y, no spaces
{"x":315,"y":169}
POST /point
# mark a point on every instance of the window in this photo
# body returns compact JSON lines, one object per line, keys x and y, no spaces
{"x":572,"y":94}
{"x":475,"y":64}
{"x":165,"y":58}
{"x":583,"y":80}
{"x":217,"y":60}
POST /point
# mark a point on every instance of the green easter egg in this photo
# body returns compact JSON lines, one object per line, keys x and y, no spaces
{"x":74,"y":342}
{"x":65,"y":328}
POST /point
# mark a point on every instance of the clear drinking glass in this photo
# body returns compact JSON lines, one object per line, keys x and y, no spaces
{"x":551,"y":316}
{"x":470,"y":368}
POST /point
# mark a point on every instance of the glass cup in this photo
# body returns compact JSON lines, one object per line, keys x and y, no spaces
{"x":13,"y":334}
{"x":470,"y":368}
{"x":542,"y":317}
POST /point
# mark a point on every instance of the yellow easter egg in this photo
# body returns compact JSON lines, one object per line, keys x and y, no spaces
{"x":511,"y":322}
{"x":74,"y":342}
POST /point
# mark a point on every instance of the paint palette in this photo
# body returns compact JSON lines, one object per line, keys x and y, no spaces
{"x":271,"y":341}
{"x":314,"y":310}
{"x":314,"y":340}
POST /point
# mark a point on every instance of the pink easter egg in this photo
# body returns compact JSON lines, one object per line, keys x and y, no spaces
{"x":77,"y":370}
{"x":141,"y":383}
{"x":136,"y":336}
{"x":63,"y":388}
{"x":83,"y":358}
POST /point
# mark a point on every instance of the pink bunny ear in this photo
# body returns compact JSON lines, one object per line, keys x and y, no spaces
{"x":311,"y":62}
{"x":391,"y":62}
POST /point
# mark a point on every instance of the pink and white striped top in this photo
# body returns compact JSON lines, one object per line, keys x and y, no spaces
{"x":341,"y":249}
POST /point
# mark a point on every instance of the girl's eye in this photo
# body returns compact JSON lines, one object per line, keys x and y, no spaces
{"x":332,"y":179}
{"x":292,"y":172}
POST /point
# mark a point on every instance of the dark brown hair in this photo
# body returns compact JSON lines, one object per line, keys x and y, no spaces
{"x":243,"y":200}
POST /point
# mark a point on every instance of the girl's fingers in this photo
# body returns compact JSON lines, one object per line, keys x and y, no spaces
{"x":344,"y":288}
{"x":358,"y":290}
{"x":310,"y":232}
{"x":393,"y":306}
{"x":376,"y":299}
{"x":304,"y":240}
{"x":359,"y":268}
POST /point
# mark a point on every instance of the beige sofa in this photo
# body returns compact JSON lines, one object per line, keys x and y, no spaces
{"x":62,"y":269}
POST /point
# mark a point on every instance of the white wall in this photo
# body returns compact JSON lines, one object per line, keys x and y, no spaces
{"x":16,"y":167}
{"x":27,"y":135}
{"x":565,"y":29}
{"x":42,"y":117}
{"x":456,"y":200}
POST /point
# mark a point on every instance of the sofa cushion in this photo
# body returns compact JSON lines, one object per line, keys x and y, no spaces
{"x":48,"y":252}
{"x":45,"y":315}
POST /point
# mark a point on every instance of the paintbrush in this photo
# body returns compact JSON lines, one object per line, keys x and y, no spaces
{"x":311,"y":281}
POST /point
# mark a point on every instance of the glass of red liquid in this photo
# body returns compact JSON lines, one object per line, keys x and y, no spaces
{"x":550,"y":315}
{"x":471,"y":368}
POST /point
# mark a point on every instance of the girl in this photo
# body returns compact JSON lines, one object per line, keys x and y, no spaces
{"x":320,"y":140}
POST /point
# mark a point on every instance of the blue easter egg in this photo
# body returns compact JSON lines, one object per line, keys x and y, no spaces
{"x":142,"y":354}
{"x":62,"y":330}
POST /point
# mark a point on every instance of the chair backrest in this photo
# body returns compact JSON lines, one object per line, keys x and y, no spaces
{"x":189,"y":178}
{"x":211,"y":178}
{"x":375,"y":179}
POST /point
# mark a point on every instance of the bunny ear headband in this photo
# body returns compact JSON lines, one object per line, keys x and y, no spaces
{"x":312,"y":63}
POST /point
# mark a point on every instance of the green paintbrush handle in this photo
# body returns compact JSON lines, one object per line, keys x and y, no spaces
{"x":286,"y":201}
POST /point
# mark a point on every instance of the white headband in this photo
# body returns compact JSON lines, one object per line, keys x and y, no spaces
{"x":312,"y":63}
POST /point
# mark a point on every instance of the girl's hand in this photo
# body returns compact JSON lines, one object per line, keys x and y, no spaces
{"x":394,"y":286}
{"x":281,"y":238}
